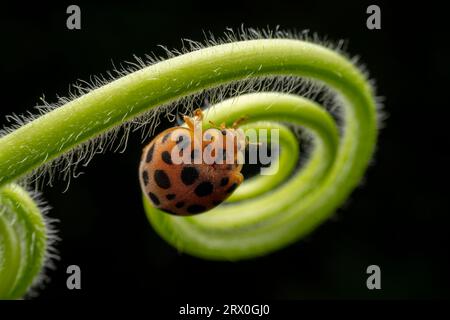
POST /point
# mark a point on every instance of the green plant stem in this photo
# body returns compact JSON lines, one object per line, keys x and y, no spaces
{"x":94,"y":113}
{"x":23,"y":241}
{"x":278,"y":216}
{"x":269,"y":220}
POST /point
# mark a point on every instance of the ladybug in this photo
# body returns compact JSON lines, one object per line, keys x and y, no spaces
{"x":184,"y":172}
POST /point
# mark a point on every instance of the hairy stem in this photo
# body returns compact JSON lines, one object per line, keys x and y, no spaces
{"x":92,"y":114}
{"x":23,"y":241}
{"x":259,"y":218}
{"x":277,"y":216}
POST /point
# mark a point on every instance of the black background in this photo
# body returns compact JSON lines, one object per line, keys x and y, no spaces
{"x":398,"y":219}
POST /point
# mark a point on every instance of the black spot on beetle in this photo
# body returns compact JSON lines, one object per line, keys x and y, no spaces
{"x":154,"y":198}
{"x":162,"y":179}
{"x":224,"y":181}
{"x":232,"y":188}
{"x":170,"y":196}
{"x":166,"y":157}
{"x":179,"y":204}
{"x":166,"y":136}
{"x":189,"y":175}
{"x":180,"y":139}
{"x":194,"y":154}
{"x":221,"y":155}
{"x":204,"y":189}
{"x":145,"y":177}
{"x":149,"y":156}
{"x":183,"y":142}
{"x":195,"y":208}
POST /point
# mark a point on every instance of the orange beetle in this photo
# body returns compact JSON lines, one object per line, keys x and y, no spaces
{"x":184,"y":172}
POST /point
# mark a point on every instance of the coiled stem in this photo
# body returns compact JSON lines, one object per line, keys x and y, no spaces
{"x":265,"y":221}
{"x":23,"y":241}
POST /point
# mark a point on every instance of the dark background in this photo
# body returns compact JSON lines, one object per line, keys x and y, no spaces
{"x":398,"y":219}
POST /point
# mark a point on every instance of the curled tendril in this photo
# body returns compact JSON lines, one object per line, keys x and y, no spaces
{"x":266,"y":212}
{"x":23,"y":241}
